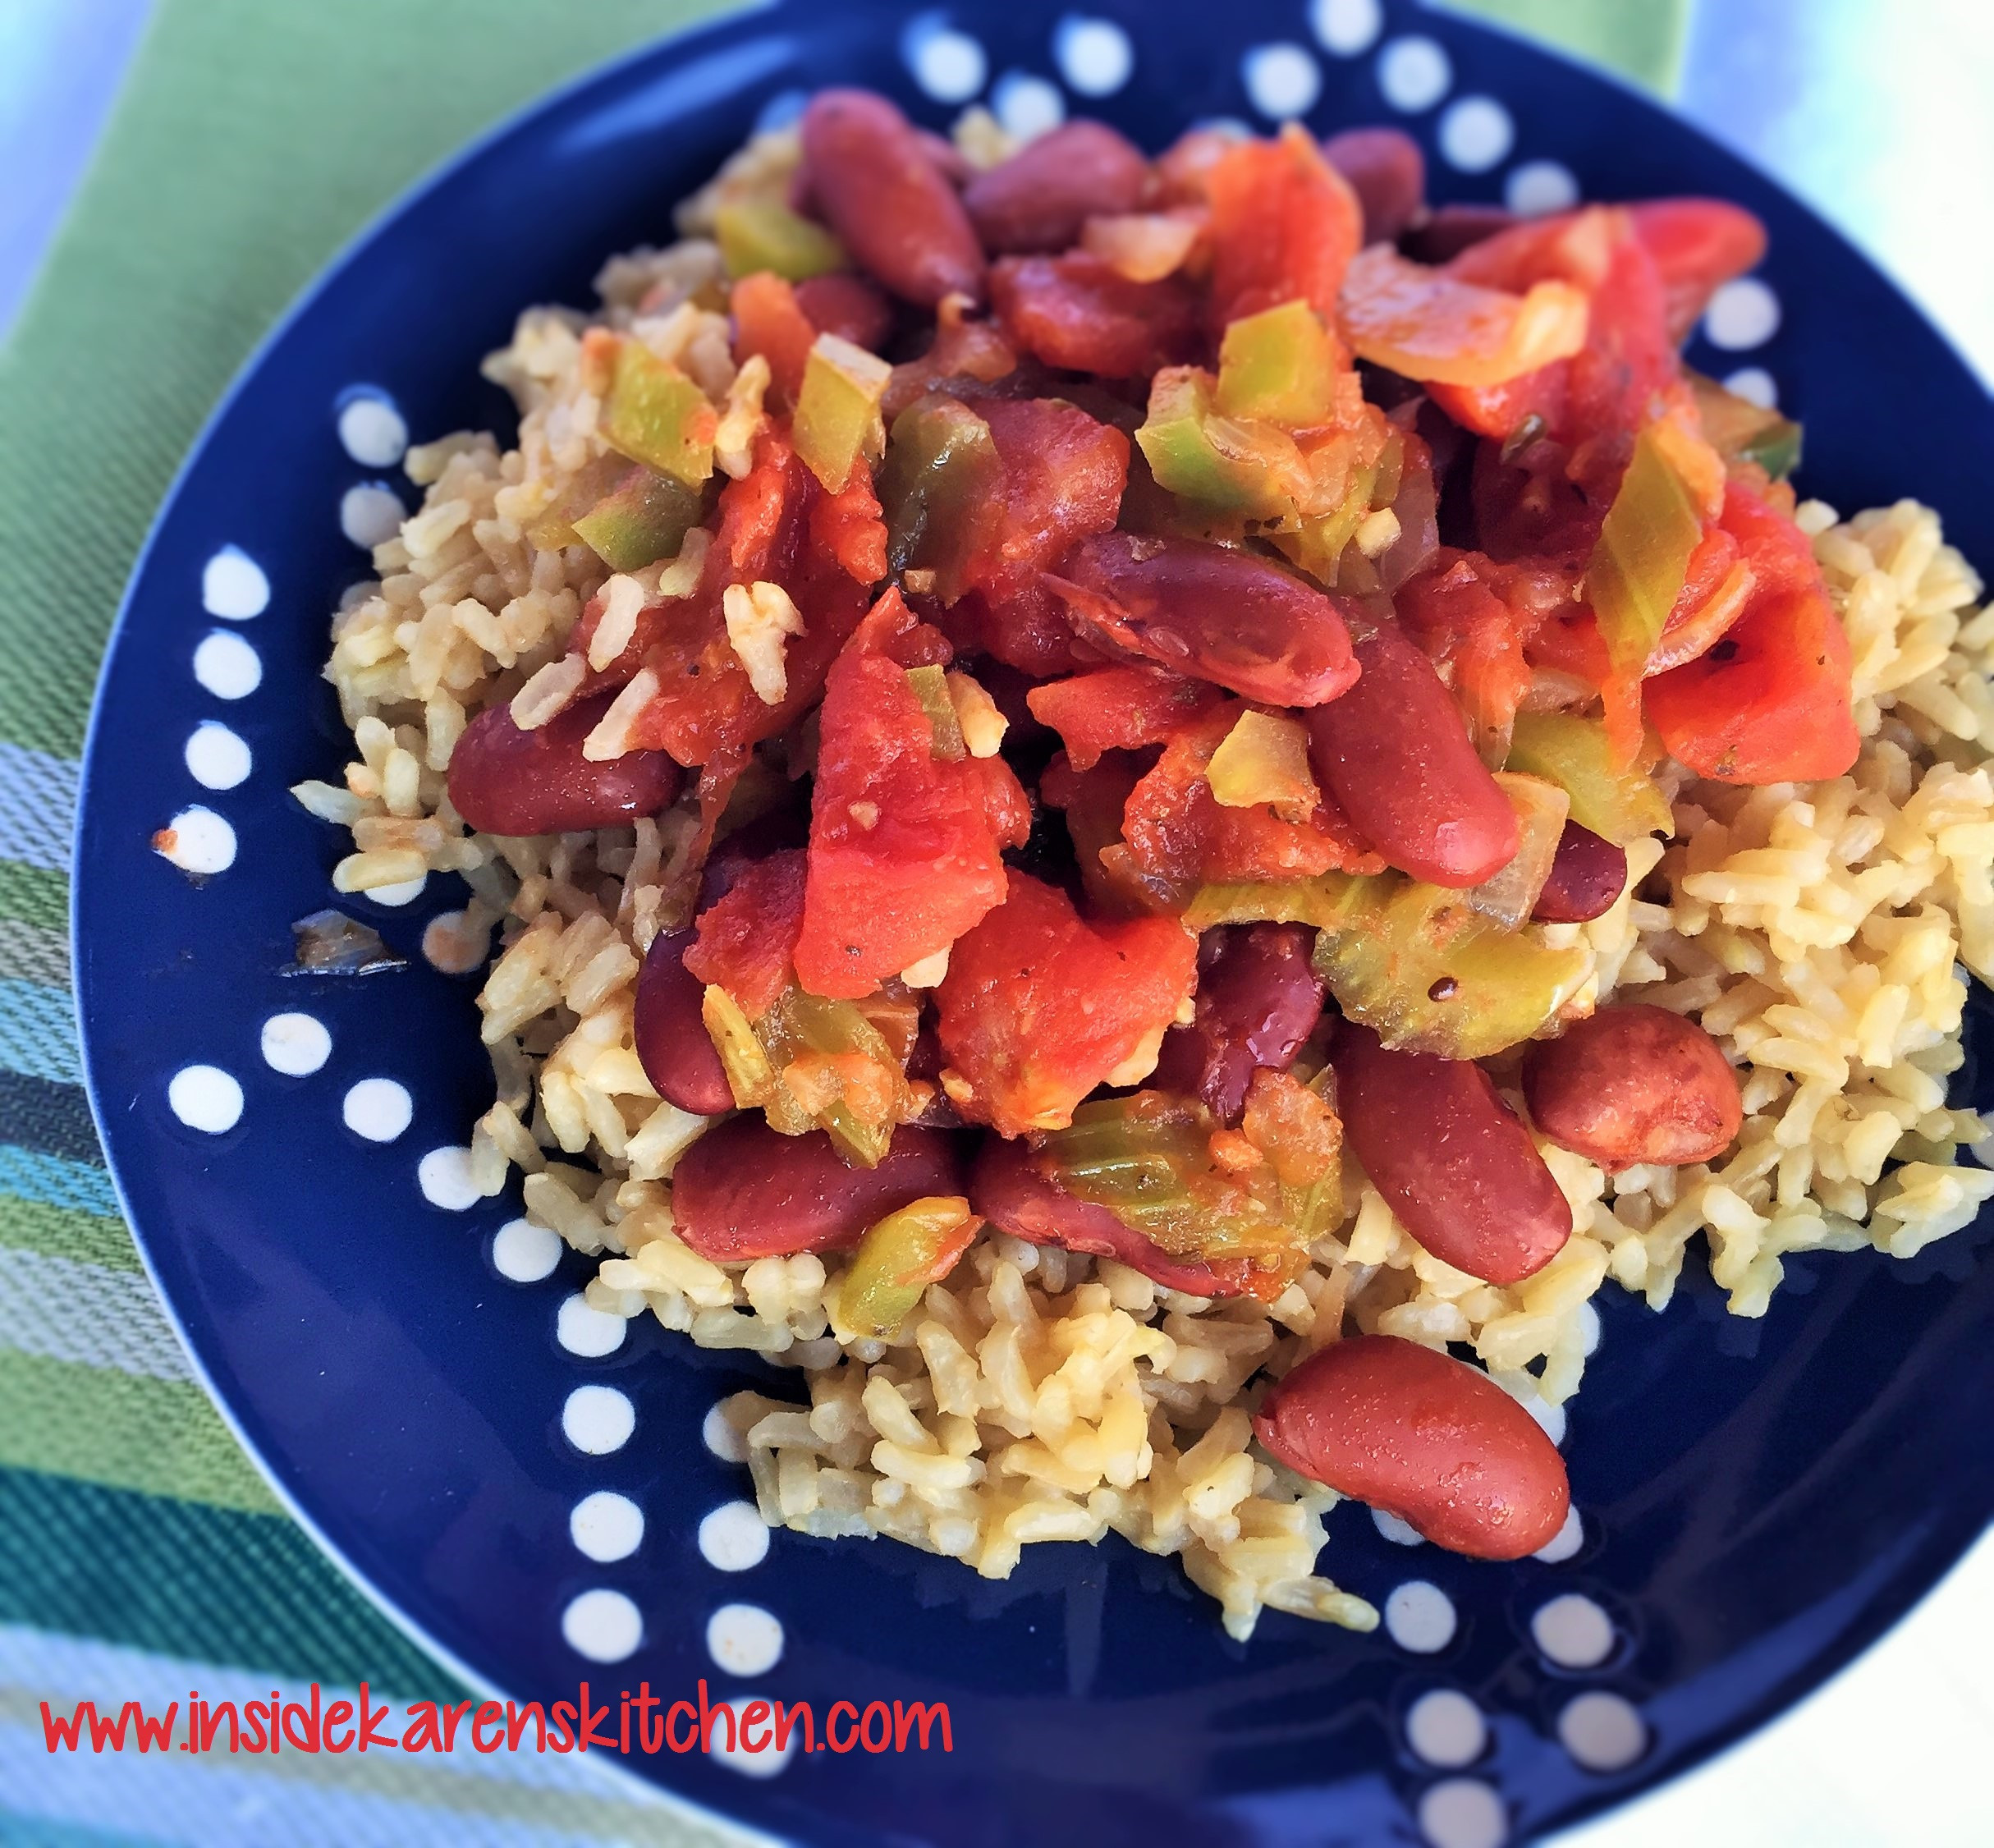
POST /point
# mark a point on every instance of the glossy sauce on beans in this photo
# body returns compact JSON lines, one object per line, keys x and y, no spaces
{"x":1421,"y":1436}
{"x":1635,"y":1083}
{"x":1394,"y":752}
{"x":1214,"y":614}
{"x":1008,"y":1190}
{"x":743,"y":1191}
{"x":673,"y":1046}
{"x":1038,"y":199}
{"x":1453,"y":1162}
{"x":1258,"y":999}
{"x":505,"y":780}
{"x":891,"y":208}
{"x":1588,"y":875}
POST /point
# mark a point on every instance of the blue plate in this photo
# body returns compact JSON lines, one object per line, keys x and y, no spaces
{"x":1759,"y":1500}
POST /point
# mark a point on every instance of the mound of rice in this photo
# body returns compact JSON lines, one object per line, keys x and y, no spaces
{"x":1818,"y":931}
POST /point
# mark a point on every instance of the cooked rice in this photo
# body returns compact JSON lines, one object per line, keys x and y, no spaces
{"x":1818,"y":932}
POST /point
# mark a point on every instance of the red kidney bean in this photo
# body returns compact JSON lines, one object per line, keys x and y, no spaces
{"x":1077,"y":312}
{"x":1257,"y":1000}
{"x":1587,"y":875}
{"x":880,"y":190}
{"x":846,"y":305}
{"x":1423,"y":1436}
{"x":1008,"y":1188}
{"x":505,"y":780}
{"x":1453,"y":1160}
{"x":672,"y":1043}
{"x":743,"y":1191}
{"x":1039,"y":198}
{"x":1394,"y":752}
{"x":1634,"y":1084}
{"x":1213,"y":612}
{"x":1449,"y":230}
{"x":1387,"y":172}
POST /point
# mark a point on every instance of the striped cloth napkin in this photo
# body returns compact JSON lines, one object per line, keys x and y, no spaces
{"x":140,"y":1553}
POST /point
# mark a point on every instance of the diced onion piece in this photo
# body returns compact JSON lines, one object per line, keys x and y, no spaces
{"x":838,"y":418}
{"x":760,"y":619}
{"x":1264,"y":759}
{"x":1143,"y":246}
{"x":749,"y":1074}
{"x":1376,"y":532}
{"x":610,"y":738}
{"x":928,"y":972}
{"x":549,"y":692}
{"x":983,"y":725}
{"x":1542,"y":807}
{"x":1426,"y":324}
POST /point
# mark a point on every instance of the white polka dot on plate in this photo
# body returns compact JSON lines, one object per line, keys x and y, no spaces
{"x":1094,"y":55}
{"x":603,"y":1626}
{"x":444,"y":1176}
{"x":605,"y":1526}
{"x":398,"y":892}
{"x":1538,"y":187}
{"x":1572,"y":1631}
{"x":450,"y":945}
{"x":597,"y":1419}
{"x":1755,"y":385}
{"x":1565,"y":1543}
{"x":216,"y":758}
{"x":734,"y":1537}
{"x":949,"y":65}
{"x":1414,"y":74}
{"x":1446,"y":1729}
{"x":781,"y":111}
{"x":1347,"y":27}
{"x":524,"y":1252}
{"x":1282,"y":81}
{"x":743,"y":1639}
{"x":1462,"y":1812}
{"x":586,"y":1331}
{"x":197,"y":840}
{"x":233,"y":585}
{"x":1743,"y":313}
{"x":372,"y":431}
{"x":228,"y":666}
{"x":1602,"y":1732}
{"x":721,"y":1436}
{"x":370,"y":514}
{"x":296,"y":1044}
{"x":1476,"y":133}
{"x":1400,"y":1532}
{"x":763,"y":1760}
{"x":377,"y":1108}
{"x":1026,"y":106}
{"x":1588,"y":1330}
{"x":1550,"y":1417}
{"x":204,"y":1097}
{"x":1420,"y":1617}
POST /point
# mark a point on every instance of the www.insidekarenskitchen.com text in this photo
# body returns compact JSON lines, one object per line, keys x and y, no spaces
{"x":618,"y":1720}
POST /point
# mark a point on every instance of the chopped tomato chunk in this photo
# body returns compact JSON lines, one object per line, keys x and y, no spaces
{"x":1285,"y":225}
{"x":906,"y":847}
{"x":746,"y":938}
{"x":847,"y":526}
{"x":1116,"y":709}
{"x":769,"y":320}
{"x":1040,"y":1006}
{"x":1697,"y":244}
{"x":1179,"y":834}
{"x":1426,"y":324}
{"x":1770,"y":702}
